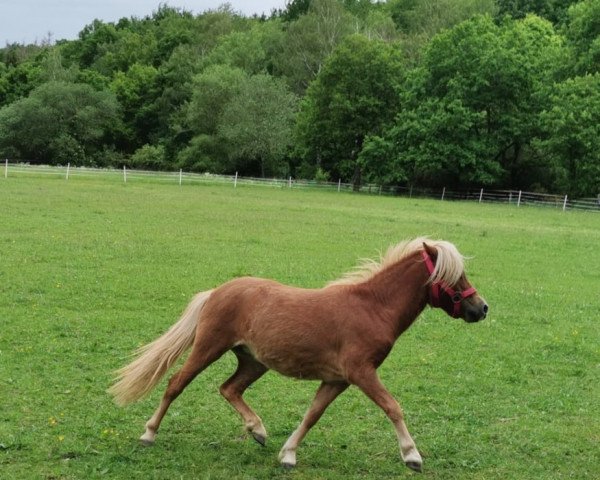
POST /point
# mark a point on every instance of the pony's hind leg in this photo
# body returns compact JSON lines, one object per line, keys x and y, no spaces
{"x":326,"y":394}
{"x":203,"y":354}
{"x":248,"y":371}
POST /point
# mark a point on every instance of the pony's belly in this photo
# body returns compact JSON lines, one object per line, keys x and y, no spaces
{"x":298,"y":364}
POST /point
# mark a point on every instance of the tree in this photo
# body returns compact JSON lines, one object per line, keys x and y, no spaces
{"x":212,"y":90}
{"x":310,"y":40}
{"x":59,"y":122}
{"x":136,"y":92}
{"x":294,"y":9}
{"x":420,"y":20}
{"x":472,"y":108}
{"x":354,"y":95}
{"x":553,"y":10}
{"x":583,"y":34}
{"x":570,"y":136}
{"x":251,"y":50}
{"x":257,"y":125}
{"x":92,"y":40}
{"x":18,"y":81}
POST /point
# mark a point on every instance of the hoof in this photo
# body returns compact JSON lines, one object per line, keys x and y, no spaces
{"x":287,"y":466}
{"x":259,"y":438}
{"x":147,"y":439}
{"x":417,"y":467}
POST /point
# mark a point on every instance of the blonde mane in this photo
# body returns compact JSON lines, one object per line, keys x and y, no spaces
{"x":449,"y":265}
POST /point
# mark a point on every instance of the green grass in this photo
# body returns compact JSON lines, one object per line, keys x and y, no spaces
{"x":90,"y":269}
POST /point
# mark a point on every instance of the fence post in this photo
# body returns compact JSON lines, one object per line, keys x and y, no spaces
{"x":235,"y":180}
{"x":290,"y":182}
{"x":68,"y":168}
{"x":6,"y":168}
{"x":480,"y":195}
{"x":443,"y":193}
{"x":124,"y":174}
{"x":519,"y":199}
{"x":180,"y":175}
{"x":339,"y":184}
{"x":565,"y":204}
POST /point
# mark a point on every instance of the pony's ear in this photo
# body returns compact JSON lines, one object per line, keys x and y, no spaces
{"x":432,"y":252}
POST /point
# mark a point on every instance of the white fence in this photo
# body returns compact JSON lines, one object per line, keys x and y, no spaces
{"x":515,"y":197}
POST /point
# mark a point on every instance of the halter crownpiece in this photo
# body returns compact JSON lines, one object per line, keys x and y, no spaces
{"x":436,"y":287}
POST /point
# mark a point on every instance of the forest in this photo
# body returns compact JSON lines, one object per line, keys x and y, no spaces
{"x":457,"y":93}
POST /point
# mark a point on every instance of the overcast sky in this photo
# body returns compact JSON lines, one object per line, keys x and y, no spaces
{"x":28,"y":21}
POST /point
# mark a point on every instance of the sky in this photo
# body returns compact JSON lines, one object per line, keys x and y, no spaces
{"x":29,"y":21}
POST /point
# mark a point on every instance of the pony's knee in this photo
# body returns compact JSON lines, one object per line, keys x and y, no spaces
{"x":228,"y":391}
{"x":394,"y":412}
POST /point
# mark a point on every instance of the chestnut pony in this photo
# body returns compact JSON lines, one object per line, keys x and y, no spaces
{"x":339,"y":335}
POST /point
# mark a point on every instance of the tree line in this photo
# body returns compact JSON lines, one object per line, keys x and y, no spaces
{"x":458,"y":93}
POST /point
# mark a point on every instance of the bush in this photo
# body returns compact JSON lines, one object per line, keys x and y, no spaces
{"x":149,"y":157}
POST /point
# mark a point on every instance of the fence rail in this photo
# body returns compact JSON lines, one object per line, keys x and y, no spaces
{"x":515,"y":197}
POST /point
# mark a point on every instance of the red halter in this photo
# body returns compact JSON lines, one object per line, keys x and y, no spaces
{"x":456,"y":296}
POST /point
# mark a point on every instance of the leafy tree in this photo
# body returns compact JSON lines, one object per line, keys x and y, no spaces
{"x":583,"y":34}
{"x":52,"y":68}
{"x":553,"y":10}
{"x":213,"y":24}
{"x":93,"y":78}
{"x":136,"y":92}
{"x":521,"y":8}
{"x":212,"y":90}
{"x":56,"y":119}
{"x":310,"y":40}
{"x":433,"y":144}
{"x":174,"y":89}
{"x":378,"y":24}
{"x":251,"y":50}
{"x":174,"y":27}
{"x":430,"y":17}
{"x":354,"y":95}
{"x":257,"y":124}
{"x":420,"y":20}
{"x":18,"y":81}
{"x":92,"y":41}
{"x":570,"y":136}
{"x":293,"y":10}
{"x":472,"y":108}
{"x":127,"y":49}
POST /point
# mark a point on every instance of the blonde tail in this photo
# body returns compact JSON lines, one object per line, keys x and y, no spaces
{"x":139,"y":377}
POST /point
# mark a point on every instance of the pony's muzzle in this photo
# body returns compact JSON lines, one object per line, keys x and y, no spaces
{"x":475,"y":313}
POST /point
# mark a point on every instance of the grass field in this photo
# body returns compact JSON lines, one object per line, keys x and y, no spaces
{"x":89,"y":270}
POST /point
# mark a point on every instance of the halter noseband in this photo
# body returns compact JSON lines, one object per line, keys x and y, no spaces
{"x":434,"y":295}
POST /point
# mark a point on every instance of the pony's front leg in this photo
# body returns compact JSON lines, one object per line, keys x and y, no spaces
{"x":369,"y":383}
{"x":326,"y":394}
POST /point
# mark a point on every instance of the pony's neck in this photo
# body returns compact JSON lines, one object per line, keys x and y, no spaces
{"x":401,"y":291}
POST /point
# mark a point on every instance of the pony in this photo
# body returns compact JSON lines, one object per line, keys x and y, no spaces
{"x":339,"y":334}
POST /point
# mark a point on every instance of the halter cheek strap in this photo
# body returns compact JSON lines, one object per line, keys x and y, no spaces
{"x":437,"y":287}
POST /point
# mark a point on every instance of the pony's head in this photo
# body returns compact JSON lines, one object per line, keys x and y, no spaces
{"x":449,"y":288}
